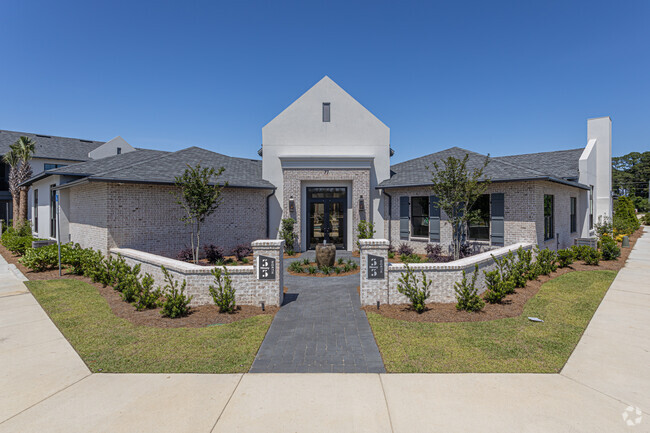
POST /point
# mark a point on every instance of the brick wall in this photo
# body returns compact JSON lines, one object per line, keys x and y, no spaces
{"x":88,"y":215}
{"x":442,"y":275}
{"x":293,"y":179}
{"x":248,"y":289}
{"x":524,"y":214}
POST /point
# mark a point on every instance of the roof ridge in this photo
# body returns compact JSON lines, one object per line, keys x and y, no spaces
{"x":440,"y":151}
{"x":221,"y":154}
{"x":541,"y":153}
{"x":51,"y":136}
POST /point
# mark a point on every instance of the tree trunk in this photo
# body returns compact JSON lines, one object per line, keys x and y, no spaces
{"x":22,"y":217}
{"x":198,"y":241}
{"x":16,"y":209}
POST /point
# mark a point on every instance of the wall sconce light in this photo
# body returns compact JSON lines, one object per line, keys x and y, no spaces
{"x":362,"y":205}
{"x":292,"y":204}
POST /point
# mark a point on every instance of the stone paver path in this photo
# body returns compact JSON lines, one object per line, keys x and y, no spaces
{"x":319,"y":329}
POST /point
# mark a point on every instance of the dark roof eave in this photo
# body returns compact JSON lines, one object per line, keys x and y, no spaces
{"x":147,"y":182}
{"x":44,"y":174}
{"x":546,"y":178}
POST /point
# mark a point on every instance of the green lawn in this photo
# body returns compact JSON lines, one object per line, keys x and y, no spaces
{"x":110,"y":344}
{"x":514,"y":345}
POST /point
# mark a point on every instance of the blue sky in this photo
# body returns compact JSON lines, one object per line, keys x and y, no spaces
{"x":498,"y":77}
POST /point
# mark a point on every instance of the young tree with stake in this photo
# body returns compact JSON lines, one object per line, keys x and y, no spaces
{"x":199,"y":195}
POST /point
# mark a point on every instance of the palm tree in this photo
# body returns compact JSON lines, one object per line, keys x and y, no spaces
{"x":25,"y":147}
{"x":12,"y":159}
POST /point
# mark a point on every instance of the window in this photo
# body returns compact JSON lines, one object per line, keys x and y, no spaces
{"x":479,"y":225}
{"x":4,"y":177}
{"x":549,"y":225}
{"x":119,"y":150}
{"x":326,"y":111}
{"x":574,"y":221}
{"x":52,"y":211}
{"x":591,"y":208}
{"x":420,"y":217}
{"x":36,"y":210}
{"x":52,"y":166}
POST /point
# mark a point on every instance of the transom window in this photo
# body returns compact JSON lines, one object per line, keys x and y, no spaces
{"x":326,"y":111}
{"x":326,"y":192}
{"x":420,"y":217}
{"x":479,"y":225}
{"x":549,"y":223}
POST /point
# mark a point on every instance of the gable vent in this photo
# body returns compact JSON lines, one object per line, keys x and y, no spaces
{"x":85,"y":141}
{"x":43,"y":136}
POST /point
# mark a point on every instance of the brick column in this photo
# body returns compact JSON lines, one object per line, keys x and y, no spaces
{"x":373,"y":289}
{"x":271,"y":291}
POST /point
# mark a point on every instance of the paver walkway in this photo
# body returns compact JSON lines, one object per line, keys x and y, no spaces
{"x":319,"y":329}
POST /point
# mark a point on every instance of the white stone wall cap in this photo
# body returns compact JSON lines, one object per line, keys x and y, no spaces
{"x":177,"y":265}
{"x":461,"y":264}
{"x":276,"y":243}
{"x":374,"y":242}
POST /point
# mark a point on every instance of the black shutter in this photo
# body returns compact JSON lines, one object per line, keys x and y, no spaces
{"x":434,"y":219}
{"x":404,"y":218}
{"x":497,"y":213}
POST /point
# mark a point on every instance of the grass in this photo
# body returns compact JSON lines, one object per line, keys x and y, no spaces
{"x":513,"y":345}
{"x":111,"y":344}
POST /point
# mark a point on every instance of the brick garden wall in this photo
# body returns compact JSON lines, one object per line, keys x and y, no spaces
{"x":443,"y":275}
{"x":248,"y":289}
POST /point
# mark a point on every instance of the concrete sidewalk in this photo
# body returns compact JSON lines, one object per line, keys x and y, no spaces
{"x":45,"y":387}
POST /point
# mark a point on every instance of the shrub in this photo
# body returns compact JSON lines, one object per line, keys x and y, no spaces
{"x":213,"y":253}
{"x":411,"y":258}
{"x":604,"y":226}
{"x":434,"y":254}
{"x":625,"y":220}
{"x":185,"y":255}
{"x":353,"y":264}
{"x":341,"y":260}
{"x":288,"y":235}
{"x":464,"y":251}
{"x":610,"y":249}
{"x":467,"y":294}
{"x":326,"y":270}
{"x":147,"y":297}
{"x":337,"y":270}
{"x":347,"y":267}
{"x":305,"y":262}
{"x":579,"y":251}
{"x":312,"y":269}
{"x":241,"y":251}
{"x":646,"y":219}
{"x":525,"y":263}
{"x":404,"y":250}
{"x":41,"y":259}
{"x":592,"y":257}
{"x":495,"y":287}
{"x":391,"y":254}
{"x":546,"y":261}
{"x":223,"y":293}
{"x":17,"y":241}
{"x":415,"y":290}
{"x":295,"y":267}
{"x":131,"y":287}
{"x":176,"y":303}
{"x":565,"y":257}
{"x":365,"y":230}
{"x":508,"y":276}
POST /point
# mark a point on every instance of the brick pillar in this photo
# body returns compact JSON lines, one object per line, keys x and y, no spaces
{"x":373,"y":289}
{"x":271,"y":291}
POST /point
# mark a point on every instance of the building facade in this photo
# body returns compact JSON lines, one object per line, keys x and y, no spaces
{"x":326,"y":163}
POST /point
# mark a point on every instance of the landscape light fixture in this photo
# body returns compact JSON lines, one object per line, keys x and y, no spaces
{"x":292,"y":204}
{"x":362,"y":206}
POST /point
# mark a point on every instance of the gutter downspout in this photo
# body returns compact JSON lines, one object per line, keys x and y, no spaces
{"x":268,"y":217}
{"x":390,"y":214}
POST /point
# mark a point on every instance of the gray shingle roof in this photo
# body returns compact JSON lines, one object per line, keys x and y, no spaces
{"x":51,"y":147}
{"x":415,"y":173}
{"x":559,"y":163}
{"x":153,"y":166}
{"x":239,"y":172}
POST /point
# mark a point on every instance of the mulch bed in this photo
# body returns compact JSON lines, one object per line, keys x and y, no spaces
{"x":201,"y":316}
{"x":512,"y":306}
{"x":295,"y":256}
{"x":321,"y":275}
{"x":229,"y":261}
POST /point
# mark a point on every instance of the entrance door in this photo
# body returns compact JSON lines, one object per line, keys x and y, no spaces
{"x":327,"y":215}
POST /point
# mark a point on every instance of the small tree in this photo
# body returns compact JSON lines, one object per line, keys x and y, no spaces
{"x":457,"y":188}
{"x":25,"y":148}
{"x":366,"y":230}
{"x":409,"y":285}
{"x":199,"y":195}
{"x":467,"y":293}
{"x":223,"y":293}
{"x":288,"y":235}
{"x":12,"y":159}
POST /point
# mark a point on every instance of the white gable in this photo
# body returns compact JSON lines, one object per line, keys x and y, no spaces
{"x":351,"y":124}
{"x":110,"y":148}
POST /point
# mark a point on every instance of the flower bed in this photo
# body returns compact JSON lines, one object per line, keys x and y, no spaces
{"x":305,"y":268}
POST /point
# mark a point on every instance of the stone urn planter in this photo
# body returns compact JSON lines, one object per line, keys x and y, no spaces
{"x":325,"y":254}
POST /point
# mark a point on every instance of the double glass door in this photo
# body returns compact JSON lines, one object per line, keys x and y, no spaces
{"x":327,"y":215}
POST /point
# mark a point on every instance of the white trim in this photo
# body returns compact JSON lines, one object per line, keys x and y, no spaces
{"x":328,"y":162}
